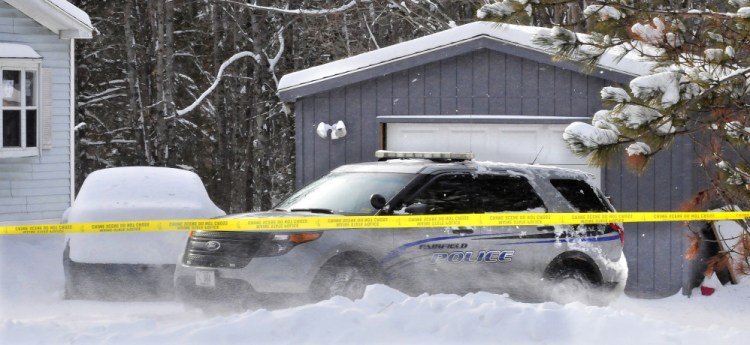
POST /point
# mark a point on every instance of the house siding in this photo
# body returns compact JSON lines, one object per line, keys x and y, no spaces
{"x":655,"y":250}
{"x":34,"y":189}
{"x":487,"y":81}
{"x":507,"y":85}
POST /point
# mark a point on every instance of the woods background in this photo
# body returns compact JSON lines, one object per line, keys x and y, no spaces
{"x":150,"y":59}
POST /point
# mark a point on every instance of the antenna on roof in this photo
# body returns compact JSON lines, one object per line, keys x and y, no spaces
{"x":537,"y":155}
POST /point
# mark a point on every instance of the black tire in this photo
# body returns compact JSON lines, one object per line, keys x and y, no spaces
{"x":71,"y":287}
{"x":347,"y":277}
{"x":572,"y":284}
{"x":71,"y":292}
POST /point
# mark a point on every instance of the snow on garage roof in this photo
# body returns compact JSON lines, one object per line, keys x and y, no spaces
{"x":60,"y":16}
{"x":291,"y":85}
{"x":17,"y":51}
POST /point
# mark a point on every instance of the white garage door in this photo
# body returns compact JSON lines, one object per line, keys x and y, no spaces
{"x":512,"y":143}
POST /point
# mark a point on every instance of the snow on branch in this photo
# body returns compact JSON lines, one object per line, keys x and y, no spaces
{"x":272,"y":62}
{"x":652,"y":33}
{"x":664,"y":84}
{"x":208,"y":91}
{"x":502,"y":9}
{"x":603,"y":12}
{"x":635,"y":116}
{"x":582,"y":138}
{"x":342,"y":8}
{"x":614,"y":94}
{"x":638,"y":148}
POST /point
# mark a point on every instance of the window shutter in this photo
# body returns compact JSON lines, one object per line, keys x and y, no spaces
{"x":46,"y":108}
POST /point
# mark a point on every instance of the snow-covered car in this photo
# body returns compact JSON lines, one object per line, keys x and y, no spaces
{"x":115,"y":265}
{"x":529,"y":262}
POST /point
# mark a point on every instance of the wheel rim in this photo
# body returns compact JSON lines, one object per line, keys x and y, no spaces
{"x":570,"y":286}
{"x":347,"y":282}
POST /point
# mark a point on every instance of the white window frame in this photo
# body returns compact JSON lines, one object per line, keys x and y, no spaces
{"x":24,"y":65}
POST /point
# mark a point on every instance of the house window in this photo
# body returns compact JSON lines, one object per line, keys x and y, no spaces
{"x":19,"y":112}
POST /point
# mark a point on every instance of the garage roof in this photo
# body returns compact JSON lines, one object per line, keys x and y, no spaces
{"x":510,"y":39}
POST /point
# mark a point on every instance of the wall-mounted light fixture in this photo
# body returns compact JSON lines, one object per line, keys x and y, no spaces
{"x":338,"y":130}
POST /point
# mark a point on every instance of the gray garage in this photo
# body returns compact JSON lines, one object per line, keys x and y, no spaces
{"x":488,"y":90}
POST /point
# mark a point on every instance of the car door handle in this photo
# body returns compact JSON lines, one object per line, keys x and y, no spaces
{"x":462,"y":231}
{"x":546,"y":228}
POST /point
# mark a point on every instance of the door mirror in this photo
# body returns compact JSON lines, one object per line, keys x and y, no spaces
{"x":377,"y":201}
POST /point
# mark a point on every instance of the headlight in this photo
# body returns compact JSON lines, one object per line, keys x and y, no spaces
{"x":281,"y":244}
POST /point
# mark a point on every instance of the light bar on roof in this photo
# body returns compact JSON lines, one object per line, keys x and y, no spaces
{"x":454,"y":156}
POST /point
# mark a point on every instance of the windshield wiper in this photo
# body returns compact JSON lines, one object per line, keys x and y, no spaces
{"x":313,"y":210}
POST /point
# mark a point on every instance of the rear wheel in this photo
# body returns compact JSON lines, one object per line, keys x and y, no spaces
{"x":573,"y":284}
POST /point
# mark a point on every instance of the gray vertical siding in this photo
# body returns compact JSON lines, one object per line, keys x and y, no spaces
{"x":38,"y":188}
{"x":654,"y":250}
{"x":483,"y":82}
{"x":490,"y":82}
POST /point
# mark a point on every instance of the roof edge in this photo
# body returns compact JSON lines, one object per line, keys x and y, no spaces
{"x":18,"y":51}
{"x":59,"y":16}
{"x":510,"y":39}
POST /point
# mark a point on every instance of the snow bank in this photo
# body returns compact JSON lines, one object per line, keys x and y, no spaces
{"x":33,"y":312}
{"x":386,"y":316}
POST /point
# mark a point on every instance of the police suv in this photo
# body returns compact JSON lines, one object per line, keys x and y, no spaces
{"x":544,"y":262}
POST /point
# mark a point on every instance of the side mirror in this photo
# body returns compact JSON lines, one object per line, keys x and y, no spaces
{"x":377,"y":201}
{"x":417,"y":208}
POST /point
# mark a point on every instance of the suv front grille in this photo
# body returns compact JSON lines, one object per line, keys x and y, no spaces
{"x":226,"y":249}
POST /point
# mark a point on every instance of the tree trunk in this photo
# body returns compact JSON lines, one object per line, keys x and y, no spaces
{"x":168,"y":80}
{"x":134,"y":98}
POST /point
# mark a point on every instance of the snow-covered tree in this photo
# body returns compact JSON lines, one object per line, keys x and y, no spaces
{"x":698,"y":86}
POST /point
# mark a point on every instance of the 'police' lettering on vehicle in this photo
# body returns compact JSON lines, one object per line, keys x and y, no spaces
{"x":482,"y":256}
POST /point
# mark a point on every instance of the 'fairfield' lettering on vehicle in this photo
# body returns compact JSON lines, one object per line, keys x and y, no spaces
{"x":483,"y":256}
{"x":443,"y":246}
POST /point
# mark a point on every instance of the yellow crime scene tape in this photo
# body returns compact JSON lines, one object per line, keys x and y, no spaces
{"x":369,"y":222}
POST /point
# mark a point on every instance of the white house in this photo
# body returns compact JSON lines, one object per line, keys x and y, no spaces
{"x":37,"y":40}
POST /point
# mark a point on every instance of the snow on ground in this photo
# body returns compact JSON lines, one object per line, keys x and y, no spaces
{"x":33,"y":312}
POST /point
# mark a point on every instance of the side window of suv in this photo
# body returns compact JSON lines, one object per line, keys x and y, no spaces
{"x":503,"y":193}
{"x":450,"y":193}
{"x":580,"y":195}
{"x":465,"y":193}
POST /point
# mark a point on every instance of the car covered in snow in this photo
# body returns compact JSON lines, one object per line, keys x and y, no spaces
{"x":529,"y":262}
{"x":111,"y":265}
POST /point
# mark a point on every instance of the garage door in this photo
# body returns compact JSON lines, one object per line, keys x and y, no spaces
{"x":512,"y":143}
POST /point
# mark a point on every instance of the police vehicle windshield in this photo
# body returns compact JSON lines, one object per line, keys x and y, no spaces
{"x":345,"y":193}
